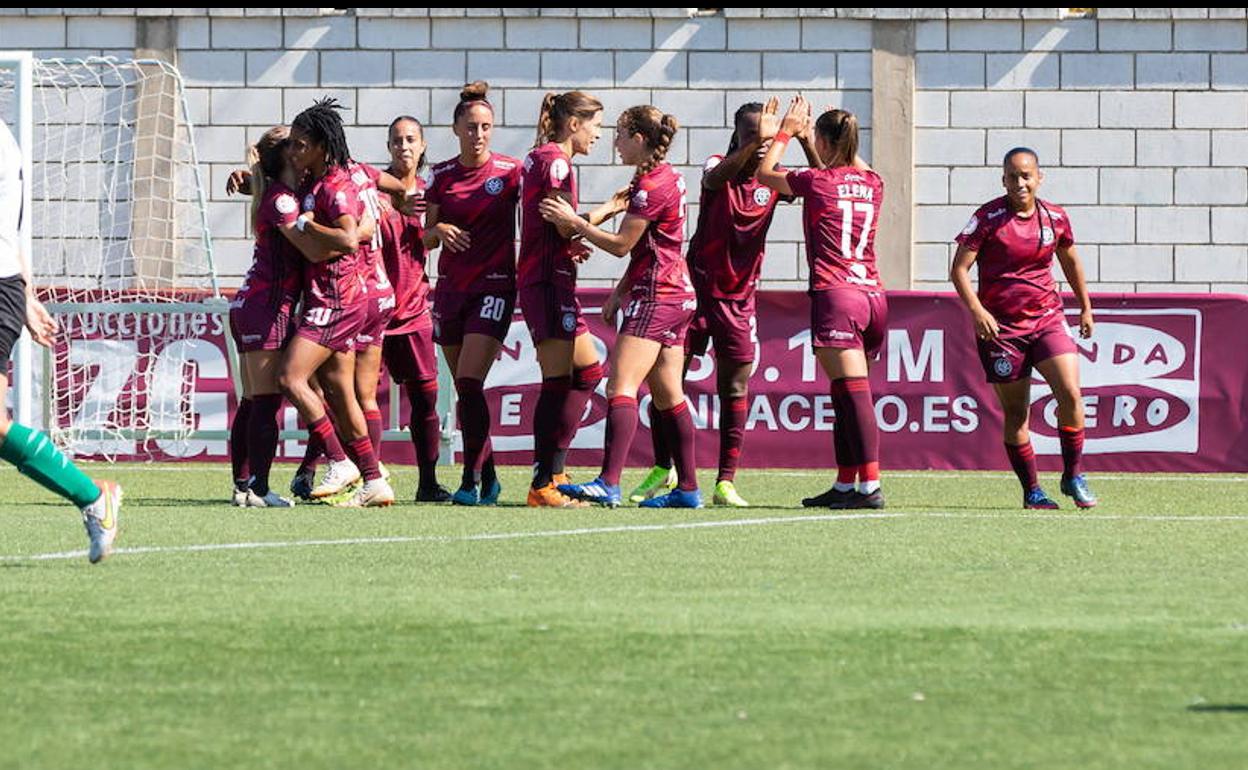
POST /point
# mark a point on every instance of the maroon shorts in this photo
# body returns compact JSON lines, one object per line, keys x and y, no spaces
{"x":258,"y":325}
{"x":849,"y":318}
{"x":551,"y":312}
{"x":333,"y":328}
{"x":380,"y":310}
{"x":411,"y":357}
{"x":1011,"y":359}
{"x":731,"y":324}
{"x":457,"y":313}
{"x":664,"y":322}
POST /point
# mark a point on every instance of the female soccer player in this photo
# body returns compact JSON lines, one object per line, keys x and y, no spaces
{"x":408,"y":345}
{"x":335,"y":306}
{"x":30,"y":451}
{"x":658,"y":303}
{"x":569,"y":125}
{"x":849,"y":313}
{"x":1018,"y":317}
{"x":725,"y":257}
{"x":261,"y":318}
{"x":471,"y":214}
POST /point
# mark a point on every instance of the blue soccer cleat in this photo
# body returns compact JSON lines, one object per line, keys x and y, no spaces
{"x":1076,"y":488}
{"x":596,"y":491}
{"x":677,"y":498}
{"x":1038,"y":500}
{"x":466,"y":496}
{"x":492,"y":492}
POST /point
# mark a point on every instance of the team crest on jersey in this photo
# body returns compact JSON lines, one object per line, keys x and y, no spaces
{"x":971,"y":226}
{"x":1003,"y":367}
{"x":286,"y":204}
{"x":569,"y":322}
{"x":762,"y":196}
{"x":1046,"y":235}
{"x":309,"y":202}
{"x":559,"y":170}
{"x":641,"y":198}
{"x":494,"y":185}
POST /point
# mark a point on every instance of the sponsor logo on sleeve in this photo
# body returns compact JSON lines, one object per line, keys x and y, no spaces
{"x":559,"y":170}
{"x":641,"y":198}
{"x":286,"y":204}
{"x":712,"y":162}
{"x":971,"y":226}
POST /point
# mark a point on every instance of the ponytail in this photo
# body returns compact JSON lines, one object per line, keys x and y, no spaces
{"x":267,"y":160}
{"x":839,"y":128}
{"x":558,"y":109}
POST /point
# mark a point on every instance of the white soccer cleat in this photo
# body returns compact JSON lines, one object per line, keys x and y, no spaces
{"x":240,"y":498}
{"x":102,"y":519}
{"x":270,"y":500}
{"x":338,"y":478}
{"x":371,"y":494}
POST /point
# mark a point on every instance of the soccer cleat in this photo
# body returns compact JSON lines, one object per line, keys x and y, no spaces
{"x":434,"y":494}
{"x":677,"y":498}
{"x":833,"y":498}
{"x":550,"y":497}
{"x":596,"y":491}
{"x":302,"y":484}
{"x":561,"y":478}
{"x":1037,"y":500}
{"x":726,"y":494}
{"x":491,"y":493}
{"x":239,"y":498}
{"x":371,"y":494}
{"x":338,"y":478}
{"x":873,"y":500}
{"x":466,"y":496}
{"x":1076,"y":488}
{"x":270,"y":500}
{"x":658,"y":479}
{"x":102,"y":519}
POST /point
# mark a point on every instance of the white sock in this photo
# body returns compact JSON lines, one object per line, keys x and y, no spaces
{"x":867,"y":487}
{"x":842,"y":486}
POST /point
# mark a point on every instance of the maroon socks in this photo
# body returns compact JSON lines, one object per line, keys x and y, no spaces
{"x":732,"y":414}
{"x":1023,"y":461}
{"x":426,"y":428}
{"x":677,"y":426}
{"x":262,"y":433}
{"x":621,"y":427}
{"x":238,"y":444}
{"x":474,"y":424}
{"x":548,"y":420}
{"x":1072,"y":451}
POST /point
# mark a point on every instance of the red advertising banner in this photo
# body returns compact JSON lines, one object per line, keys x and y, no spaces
{"x":1164,"y":380}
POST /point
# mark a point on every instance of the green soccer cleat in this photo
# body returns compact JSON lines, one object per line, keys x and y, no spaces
{"x":658,"y":481}
{"x":726,"y":494}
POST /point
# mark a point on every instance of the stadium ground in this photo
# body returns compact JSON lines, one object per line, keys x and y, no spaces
{"x":953,"y":631}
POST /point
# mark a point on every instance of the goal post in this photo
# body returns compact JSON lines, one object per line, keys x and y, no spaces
{"x":117,"y":237}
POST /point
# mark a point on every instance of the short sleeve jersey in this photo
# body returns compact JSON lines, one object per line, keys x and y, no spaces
{"x":657,"y":270}
{"x":840,"y":209}
{"x":335,"y":283}
{"x":545,"y":255}
{"x":726,"y":251}
{"x":11,"y":206}
{"x":276,"y":272}
{"x":371,"y":265}
{"x":404,"y":255}
{"x":1015,"y":261}
{"x":481,"y":201}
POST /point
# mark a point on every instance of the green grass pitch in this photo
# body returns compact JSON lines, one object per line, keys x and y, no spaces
{"x":955,"y":631}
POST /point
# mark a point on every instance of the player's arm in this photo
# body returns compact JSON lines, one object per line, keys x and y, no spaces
{"x":986,"y":327}
{"x":318,"y":243}
{"x":239,"y":182}
{"x":612,"y":305}
{"x":608,"y":210}
{"x":718,"y":176}
{"x":443,"y":233}
{"x":558,"y":212}
{"x":807,"y":139}
{"x":1072,"y":268}
{"x":774,"y":128}
{"x":389,"y":183}
{"x":40,"y":323}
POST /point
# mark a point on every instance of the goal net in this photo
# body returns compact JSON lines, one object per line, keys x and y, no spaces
{"x":120,"y":253}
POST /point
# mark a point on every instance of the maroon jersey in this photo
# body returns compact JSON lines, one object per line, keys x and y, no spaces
{"x":839,"y":214}
{"x":481,"y":201}
{"x":276,"y":272}
{"x":405,"y":256}
{"x":336,"y":283}
{"x":726,"y":251}
{"x":372,"y":267}
{"x":545,"y":255}
{"x":656,"y":269}
{"x":1016,"y":262}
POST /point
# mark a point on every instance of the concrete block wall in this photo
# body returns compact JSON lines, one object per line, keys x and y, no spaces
{"x":1140,"y":117}
{"x":1141,"y":125}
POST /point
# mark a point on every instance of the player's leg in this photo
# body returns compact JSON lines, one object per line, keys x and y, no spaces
{"x":732,"y":380}
{"x":472,"y":365}
{"x":300,"y":364}
{"x":240,"y":468}
{"x":554,"y":358}
{"x":261,"y":369}
{"x":858,"y":433}
{"x":34,"y":454}
{"x":367,"y":379}
{"x":337,"y":376}
{"x":667,"y":393}
{"x":1014,"y":396}
{"x":661,"y":478}
{"x":412,"y":360}
{"x":587,"y":374}
{"x":1062,"y":373}
{"x":631,"y":360}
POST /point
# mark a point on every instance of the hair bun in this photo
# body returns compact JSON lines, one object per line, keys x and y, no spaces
{"x":474,"y":91}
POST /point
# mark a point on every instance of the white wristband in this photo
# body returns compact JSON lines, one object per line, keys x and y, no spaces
{"x":301,"y":222}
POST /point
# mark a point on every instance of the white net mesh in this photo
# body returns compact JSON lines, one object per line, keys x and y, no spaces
{"x":120,"y":253}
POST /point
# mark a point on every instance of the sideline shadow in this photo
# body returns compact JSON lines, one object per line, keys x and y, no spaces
{"x":1219,"y":708}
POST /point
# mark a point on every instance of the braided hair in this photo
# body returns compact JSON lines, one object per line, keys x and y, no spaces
{"x":749,"y":108}
{"x":839,"y":128}
{"x":656,"y":128}
{"x":267,"y":160}
{"x":557,"y":109}
{"x":322,"y":123}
